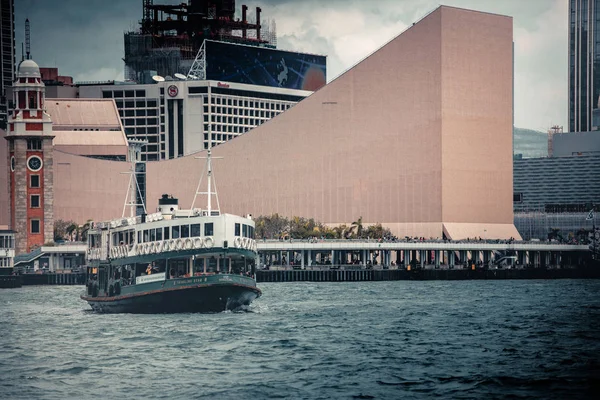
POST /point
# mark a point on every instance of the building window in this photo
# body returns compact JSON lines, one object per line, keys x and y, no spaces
{"x":35,"y":226}
{"x":33,"y":101}
{"x":34,"y":144}
{"x":34,"y":181}
{"x":208,"y":229}
{"x":34,"y":201}
{"x":517,"y":197}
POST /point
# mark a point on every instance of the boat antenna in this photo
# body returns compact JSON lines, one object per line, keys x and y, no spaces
{"x":211,"y":183}
{"x":137,"y":167}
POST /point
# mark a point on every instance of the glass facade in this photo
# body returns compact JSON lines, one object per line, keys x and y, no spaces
{"x":584,"y":63}
{"x":7,"y":55}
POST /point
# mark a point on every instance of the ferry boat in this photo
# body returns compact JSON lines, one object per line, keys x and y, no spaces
{"x":172,"y":260}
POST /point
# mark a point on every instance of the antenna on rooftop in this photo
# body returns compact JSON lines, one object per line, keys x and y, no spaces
{"x":27,"y":39}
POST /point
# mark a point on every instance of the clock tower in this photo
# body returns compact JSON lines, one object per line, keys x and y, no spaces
{"x":30,"y":161}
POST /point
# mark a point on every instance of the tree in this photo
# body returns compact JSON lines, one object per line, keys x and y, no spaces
{"x":84,"y":230}
{"x":377,"y":231}
{"x":60,"y":229}
{"x":358,"y":225}
{"x":72,"y":228}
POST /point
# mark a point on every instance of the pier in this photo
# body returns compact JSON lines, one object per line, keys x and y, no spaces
{"x":52,"y":279}
{"x":336,"y":275}
{"x":373,"y":260}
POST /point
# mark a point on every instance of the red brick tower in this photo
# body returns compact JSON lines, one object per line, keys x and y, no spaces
{"x":30,"y":161}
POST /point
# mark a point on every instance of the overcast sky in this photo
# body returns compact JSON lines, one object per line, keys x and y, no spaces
{"x":84,"y":38}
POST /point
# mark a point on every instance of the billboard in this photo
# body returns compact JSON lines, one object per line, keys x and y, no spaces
{"x":263,"y":66}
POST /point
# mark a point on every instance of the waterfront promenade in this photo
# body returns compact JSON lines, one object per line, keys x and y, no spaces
{"x":411,"y":253}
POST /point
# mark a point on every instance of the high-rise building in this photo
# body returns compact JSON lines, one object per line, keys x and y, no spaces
{"x":7,"y":55}
{"x":182,"y":117}
{"x":584,"y":63}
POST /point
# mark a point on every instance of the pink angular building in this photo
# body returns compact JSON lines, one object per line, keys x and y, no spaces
{"x":418,"y":137}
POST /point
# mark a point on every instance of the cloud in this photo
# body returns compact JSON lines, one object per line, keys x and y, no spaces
{"x":541,"y":70}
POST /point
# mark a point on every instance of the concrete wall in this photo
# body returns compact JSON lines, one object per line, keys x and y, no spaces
{"x":477,"y":108}
{"x":87,"y":188}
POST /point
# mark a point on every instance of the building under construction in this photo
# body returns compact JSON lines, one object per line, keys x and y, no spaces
{"x":170,"y":36}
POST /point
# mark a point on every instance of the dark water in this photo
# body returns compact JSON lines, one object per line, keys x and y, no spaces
{"x":470,"y":339}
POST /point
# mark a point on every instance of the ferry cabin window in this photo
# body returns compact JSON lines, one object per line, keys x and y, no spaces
{"x":195,"y":230}
{"x":139,"y":237}
{"x":208,"y":229}
{"x":166,"y":232}
{"x":159,"y":234}
{"x":152,"y":235}
{"x":237,"y":229}
{"x":250,"y":232}
{"x":146,"y":236}
{"x":185,"y":231}
{"x":176,"y":232}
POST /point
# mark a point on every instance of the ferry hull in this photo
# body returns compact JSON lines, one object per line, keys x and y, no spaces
{"x":212,"y":298}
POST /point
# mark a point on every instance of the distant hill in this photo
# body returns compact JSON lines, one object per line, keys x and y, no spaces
{"x":530,"y":143}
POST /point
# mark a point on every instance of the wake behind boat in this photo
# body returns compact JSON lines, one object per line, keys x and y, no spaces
{"x":172,"y":261}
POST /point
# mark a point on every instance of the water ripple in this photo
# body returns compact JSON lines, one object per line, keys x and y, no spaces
{"x":367,"y":340}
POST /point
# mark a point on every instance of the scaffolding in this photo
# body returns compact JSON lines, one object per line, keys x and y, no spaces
{"x":170,"y":36}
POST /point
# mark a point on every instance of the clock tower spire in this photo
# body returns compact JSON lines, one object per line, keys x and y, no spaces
{"x":30,"y":159}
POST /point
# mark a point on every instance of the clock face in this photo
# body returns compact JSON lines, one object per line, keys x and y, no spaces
{"x":34,"y":163}
{"x":12,"y":164}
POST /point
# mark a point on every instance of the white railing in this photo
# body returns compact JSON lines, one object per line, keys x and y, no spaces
{"x":161,"y":246}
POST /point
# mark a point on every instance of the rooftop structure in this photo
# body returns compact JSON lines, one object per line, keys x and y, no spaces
{"x":87,"y":127}
{"x":170,"y":36}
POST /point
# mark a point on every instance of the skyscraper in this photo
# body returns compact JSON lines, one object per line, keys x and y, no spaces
{"x":584,"y":63}
{"x":7,"y":54}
